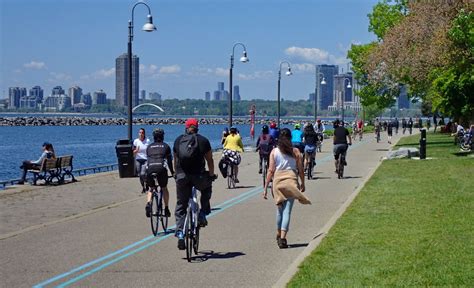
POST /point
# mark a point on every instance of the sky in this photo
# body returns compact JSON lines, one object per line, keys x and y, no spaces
{"x":75,"y":42}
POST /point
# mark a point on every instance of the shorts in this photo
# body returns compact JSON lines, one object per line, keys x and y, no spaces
{"x":231,"y":156}
{"x":309,"y":149}
{"x":161,"y":176}
{"x":389,"y":132}
{"x":339,"y":149}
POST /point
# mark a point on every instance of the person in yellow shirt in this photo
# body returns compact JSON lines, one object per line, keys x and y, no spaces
{"x":233,"y":146}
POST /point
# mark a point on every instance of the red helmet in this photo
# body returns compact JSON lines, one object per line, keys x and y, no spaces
{"x":273,"y":125}
{"x":319,"y":120}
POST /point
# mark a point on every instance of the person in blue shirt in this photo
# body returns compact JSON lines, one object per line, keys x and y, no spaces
{"x":48,"y":153}
{"x":297,"y":138}
{"x":274,"y":131}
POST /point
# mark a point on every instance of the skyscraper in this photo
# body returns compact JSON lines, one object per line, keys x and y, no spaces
{"x":142,"y":95}
{"x":58,"y":90}
{"x":14,"y":95}
{"x":220,"y":93}
{"x":207,"y":96}
{"x":99,"y":97}
{"x":121,"y":80}
{"x":236,"y":93}
{"x":38,"y":93}
{"x":326,"y":91}
{"x":75,"y":92}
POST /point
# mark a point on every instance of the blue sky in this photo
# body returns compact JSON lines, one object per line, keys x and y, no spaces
{"x":75,"y":42}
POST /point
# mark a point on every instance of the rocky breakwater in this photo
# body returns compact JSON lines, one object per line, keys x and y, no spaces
{"x":93,"y":121}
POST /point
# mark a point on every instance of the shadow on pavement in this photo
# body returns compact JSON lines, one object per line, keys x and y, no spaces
{"x":297,"y":245}
{"x":319,"y":178}
{"x":206,"y":255}
{"x":352,"y":177}
{"x":237,"y":187}
{"x":381,"y":149}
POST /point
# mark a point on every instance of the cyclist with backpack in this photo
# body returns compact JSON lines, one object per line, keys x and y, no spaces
{"x":191,"y":153}
{"x":274,"y":131}
{"x":297,"y":138}
{"x":233,"y":146}
{"x":159,"y":160}
{"x":265,"y":145}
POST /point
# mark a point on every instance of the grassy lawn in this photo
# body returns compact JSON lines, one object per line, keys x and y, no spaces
{"x":411,"y":225}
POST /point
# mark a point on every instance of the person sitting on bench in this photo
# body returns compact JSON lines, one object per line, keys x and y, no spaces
{"x":48,"y":153}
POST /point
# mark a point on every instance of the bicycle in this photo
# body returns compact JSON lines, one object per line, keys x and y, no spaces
{"x":264,"y":169}
{"x":191,"y":226}
{"x":319,"y":142}
{"x":310,"y":167}
{"x":377,"y":135}
{"x":340,"y":164}
{"x":230,"y":175}
{"x":157,"y":209}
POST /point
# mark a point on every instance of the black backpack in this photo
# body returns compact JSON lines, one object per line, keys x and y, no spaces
{"x":188,"y":152}
{"x":264,"y":146}
{"x":156,"y":157}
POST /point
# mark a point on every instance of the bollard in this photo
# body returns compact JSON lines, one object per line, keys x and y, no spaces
{"x":423,"y":144}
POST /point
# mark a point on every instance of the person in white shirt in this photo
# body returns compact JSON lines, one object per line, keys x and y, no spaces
{"x":139,"y":150}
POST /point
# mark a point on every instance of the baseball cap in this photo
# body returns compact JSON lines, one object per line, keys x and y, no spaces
{"x":191,"y":122}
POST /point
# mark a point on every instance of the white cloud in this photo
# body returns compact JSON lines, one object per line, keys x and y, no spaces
{"x":303,"y":67}
{"x":148,"y":70}
{"x":35,"y":65}
{"x":173,"y":69}
{"x":100,"y":74}
{"x":256,"y":75}
{"x":200,"y":71}
{"x":59,"y":76}
{"x":314,"y":55}
{"x":221,"y":72}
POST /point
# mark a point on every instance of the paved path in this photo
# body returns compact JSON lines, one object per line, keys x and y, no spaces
{"x":94,"y":232}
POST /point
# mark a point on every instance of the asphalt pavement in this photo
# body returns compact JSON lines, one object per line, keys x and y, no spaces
{"x":94,"y":233}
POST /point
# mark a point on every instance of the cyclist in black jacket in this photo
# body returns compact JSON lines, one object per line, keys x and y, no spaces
{"x":310,"y":140}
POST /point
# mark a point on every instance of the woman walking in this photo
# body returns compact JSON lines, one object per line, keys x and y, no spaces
{"x":139,"y":150}
{"x":286,"y":165}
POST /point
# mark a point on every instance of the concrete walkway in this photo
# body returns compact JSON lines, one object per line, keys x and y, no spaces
{"x":94,"y":232}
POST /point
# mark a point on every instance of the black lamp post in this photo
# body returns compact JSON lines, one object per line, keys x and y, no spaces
{"x":288,"y":73}
{"x":243,"y":59}
{"x":344,"y":96}
{"x":317,"y":90}
{"x":148,"y":27}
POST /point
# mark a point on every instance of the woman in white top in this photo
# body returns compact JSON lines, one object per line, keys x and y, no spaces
{"x":286,"y":164}
{"x":139,"y":150}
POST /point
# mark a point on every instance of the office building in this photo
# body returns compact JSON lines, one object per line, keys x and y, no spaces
{"x":403,"y":101}
{"x":121,"y":80}
{"x":155,"y":96}
{"x":14,"y":96}
{"x":58,"y":90}
{"x":75,"y":93}
{"x":311,"y":97}
{"x":64,"y":102}
{"x":220,"y":94}
{"x":236,"y":94}
{"x":87,"y":99}
{"x":37,"y":92}
{"x":142,"y":95}
{"x":99,"y":98}
{"x":207,"y":96}
{"x":326,"y":91}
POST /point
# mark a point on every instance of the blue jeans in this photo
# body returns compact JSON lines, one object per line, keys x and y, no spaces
{"x":140,"y":166}
{"x":284,"y":214}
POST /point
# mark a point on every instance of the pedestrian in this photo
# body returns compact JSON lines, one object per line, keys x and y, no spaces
{"x":404,"y":126}
{"x":139,"y":150}
{"x":396,"y":124}
{"x":389,"y":131}
{"x":286,"y":166}
{"x":410,"y":125}
{"x":420,"y":123}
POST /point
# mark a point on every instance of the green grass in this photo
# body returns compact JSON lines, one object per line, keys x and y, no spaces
{"x":411,"y":225}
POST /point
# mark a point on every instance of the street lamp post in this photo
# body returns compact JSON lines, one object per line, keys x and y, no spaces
{"x":288,"y":73}
{"x":243,"y":59}
{"x":317,"y":90}
{"x":148,"y":27}
{"x":344,"y":96}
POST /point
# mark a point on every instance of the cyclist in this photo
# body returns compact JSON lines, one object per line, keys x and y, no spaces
{"x":310,"y":139}
{"x":297,"y":138}
{"x":139,"y":150}
{"x":159,"y":159}
{"x":265,"y":145}
{"x":191,"y":153}
{"x":360,"y":128}
{"x":389,"y":131}
{"x":341,"y":140}
{"x":233,"y":146}
{"x":274,"y":131}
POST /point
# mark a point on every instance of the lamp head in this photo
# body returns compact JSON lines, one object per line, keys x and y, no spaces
{"x":149,"y":27}
{"x":289,"y":73}
{"x":349,"y":85}
{"x":323,"y":82}
{"x":244,"y":58}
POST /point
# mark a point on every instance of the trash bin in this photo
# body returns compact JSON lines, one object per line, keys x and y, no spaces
{"x":126,"y":163}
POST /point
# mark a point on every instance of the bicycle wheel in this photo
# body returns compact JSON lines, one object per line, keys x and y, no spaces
{"x":264,"y":170}
{"x":188,"y":234}
{"x":229,"y":176}
{"x":310,"y":168}
{"x":155,"y":213}
{"x":340,"y":170}
{"x":196,"y":241}
{"x":163,"y":218}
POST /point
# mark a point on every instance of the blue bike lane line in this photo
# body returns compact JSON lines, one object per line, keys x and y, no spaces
{"x":121,"y":255}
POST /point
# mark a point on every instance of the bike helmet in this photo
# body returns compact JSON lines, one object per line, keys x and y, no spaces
{"x":319,"y":120}
{"x":265,"y":129}
{"x":233,"y":129}
{"x":297,"y":126}
{"x":273,"y":125}
{"x":158,"y":133}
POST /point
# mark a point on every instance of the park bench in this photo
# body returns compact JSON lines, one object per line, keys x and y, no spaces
{"x":54,"y":170}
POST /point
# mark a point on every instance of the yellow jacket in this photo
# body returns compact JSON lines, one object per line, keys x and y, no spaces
{"x":234,"y":142}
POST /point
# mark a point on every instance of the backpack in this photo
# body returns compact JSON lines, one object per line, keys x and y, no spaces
{"x":156,"y":157}
{"x":264,"y":146}
{"x":188,"y":152}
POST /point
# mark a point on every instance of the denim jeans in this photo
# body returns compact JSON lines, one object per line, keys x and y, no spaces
{"x":284,"y":214}
{"x":140,"y":166}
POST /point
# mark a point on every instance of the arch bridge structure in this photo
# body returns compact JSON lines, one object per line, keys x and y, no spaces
{"x":148,"y":104}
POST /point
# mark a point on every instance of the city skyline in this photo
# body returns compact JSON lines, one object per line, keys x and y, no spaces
{"x":190,"y":51}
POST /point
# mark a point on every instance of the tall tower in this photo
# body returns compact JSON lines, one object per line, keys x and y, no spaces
{"x":326,"y":91}
{"x":236,"y":93}
{"x":121,"y":80}
{"x":75,"y":92}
